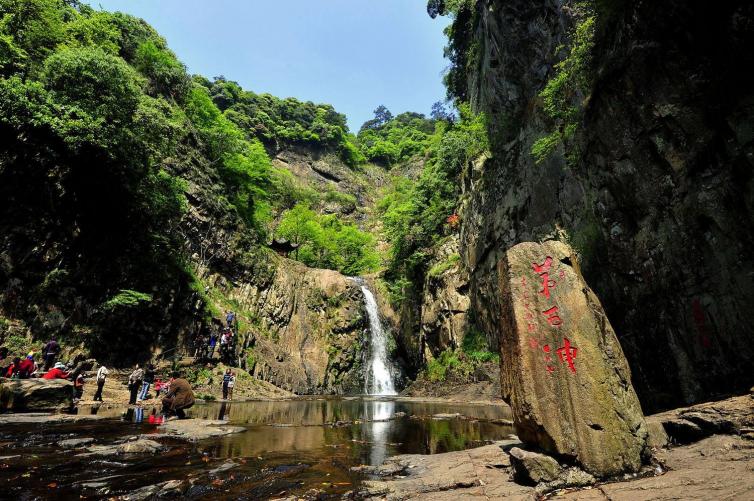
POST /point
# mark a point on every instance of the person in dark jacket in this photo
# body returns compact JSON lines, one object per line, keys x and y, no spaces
{"x":226,"y":381}
{"x":148,"y":380}
{"x":50,"y":352}
{"x":179,"y":397}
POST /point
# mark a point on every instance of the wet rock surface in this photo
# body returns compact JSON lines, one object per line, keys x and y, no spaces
{"x":477,"y":472}
{"x":564,"y":373}
{"x":717,"y":467}
{"x":40,"y":418}
{"x":198,"y":429}
{"x":75,"y":443}
{"x":137,"y":446}
{"x":35,"y":394}
{"x":312,"y":331}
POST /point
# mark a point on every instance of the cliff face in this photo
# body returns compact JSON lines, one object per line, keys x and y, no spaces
{"x":659,"y":200}
{"x":301,"y":329}
{"x":306,"y":328}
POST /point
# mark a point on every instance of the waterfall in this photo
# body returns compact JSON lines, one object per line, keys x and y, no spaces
{"x":379,"y":380}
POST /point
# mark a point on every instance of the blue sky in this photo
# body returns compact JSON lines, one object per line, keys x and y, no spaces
{"x":353,"y":54}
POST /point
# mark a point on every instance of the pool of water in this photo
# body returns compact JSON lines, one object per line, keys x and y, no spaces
{"x":289,"y":447}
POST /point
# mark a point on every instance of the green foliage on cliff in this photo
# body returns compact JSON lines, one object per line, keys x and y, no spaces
{"x":100,"y":122}
{"x":414,"y":213}
{"x":126,"y":299}
{"x":563,"y":94}
{"x":390,"y":140}
{"x":278,"y":122}
{"x":462,"y":51}
{"x":326,"y":242}
{"x":243,"y":164}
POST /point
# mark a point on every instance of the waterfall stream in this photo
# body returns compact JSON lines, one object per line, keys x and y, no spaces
{"x":379,"y":380}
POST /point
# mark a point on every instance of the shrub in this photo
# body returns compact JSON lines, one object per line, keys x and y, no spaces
{"x":443,"y":266}
{"x":126,"y":298}
{"x":326,"y":242}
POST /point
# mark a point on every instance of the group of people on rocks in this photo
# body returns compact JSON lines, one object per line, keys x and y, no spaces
{"x":225,"y":337}
{"x":178,"y":394}
{"x":28,"y":368}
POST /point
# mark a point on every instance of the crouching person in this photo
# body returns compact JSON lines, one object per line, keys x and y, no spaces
{"x":179,"y":397}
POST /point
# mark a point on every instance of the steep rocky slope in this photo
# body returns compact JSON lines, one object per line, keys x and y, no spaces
{"x":654,"y":188}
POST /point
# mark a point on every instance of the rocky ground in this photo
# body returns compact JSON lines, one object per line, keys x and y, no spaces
{"x":481,"y":387}
{"x":707,"y":453}
{"x":209,"y":387}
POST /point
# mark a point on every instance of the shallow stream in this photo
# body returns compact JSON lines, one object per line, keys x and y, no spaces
{"x":289,"y":447}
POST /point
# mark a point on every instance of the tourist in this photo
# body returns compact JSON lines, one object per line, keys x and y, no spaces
{"x":57,"y":372}
{"x":159,"y":386}
{"x":230,"y":318}
{"x":134,"y":383}
{"x":27,"y":367}
{"x":50,"y":352}
{"x":102,"y":373}
{"x":148,"y":380}
{"x":179,"y":398}
{"x":78,"y":387}
{"x":212,"y":344}
{"x":231,"y":385}
{"x":12,"y":371}
{"x":226,"y":381}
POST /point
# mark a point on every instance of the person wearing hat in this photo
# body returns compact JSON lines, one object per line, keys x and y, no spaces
{"x":57,"y":372}
{"x":27,"y":367}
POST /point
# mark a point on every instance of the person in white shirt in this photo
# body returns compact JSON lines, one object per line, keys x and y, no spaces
{"x":101,"y":378}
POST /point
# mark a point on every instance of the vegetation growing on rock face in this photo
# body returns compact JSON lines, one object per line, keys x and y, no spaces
{"x":566,"y":89}
{"x":415,"y":212}
{"x":326,"y":242}
{"x":278,"y":122}
{"x":105,"y":138}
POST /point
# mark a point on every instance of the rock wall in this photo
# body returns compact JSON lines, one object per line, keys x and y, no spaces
{"x":445,"y":303}
{"x":308,"y":331}
{"x":659,"y":202}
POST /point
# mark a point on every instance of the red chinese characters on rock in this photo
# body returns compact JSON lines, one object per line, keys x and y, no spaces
{"x":543,"y":270}
{"x":566,"y":353}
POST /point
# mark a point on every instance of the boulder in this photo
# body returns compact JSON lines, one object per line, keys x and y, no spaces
{"x":194,"y":430}
{"x":138,"y":446}
{"x":35,"y":394}
{"x":564,"y":372}
{"x":532,"y":467}
{"x":658,"y":437}
{"x":75,"y":443}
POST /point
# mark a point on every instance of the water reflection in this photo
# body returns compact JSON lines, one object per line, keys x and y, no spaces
{"x":351,"y":431}
{"x":290,"y":446}
{"x":380,"y":413}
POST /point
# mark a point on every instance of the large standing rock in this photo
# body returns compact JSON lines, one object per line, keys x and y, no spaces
{"x":35,"y":394}
{"x":564,"y":373}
